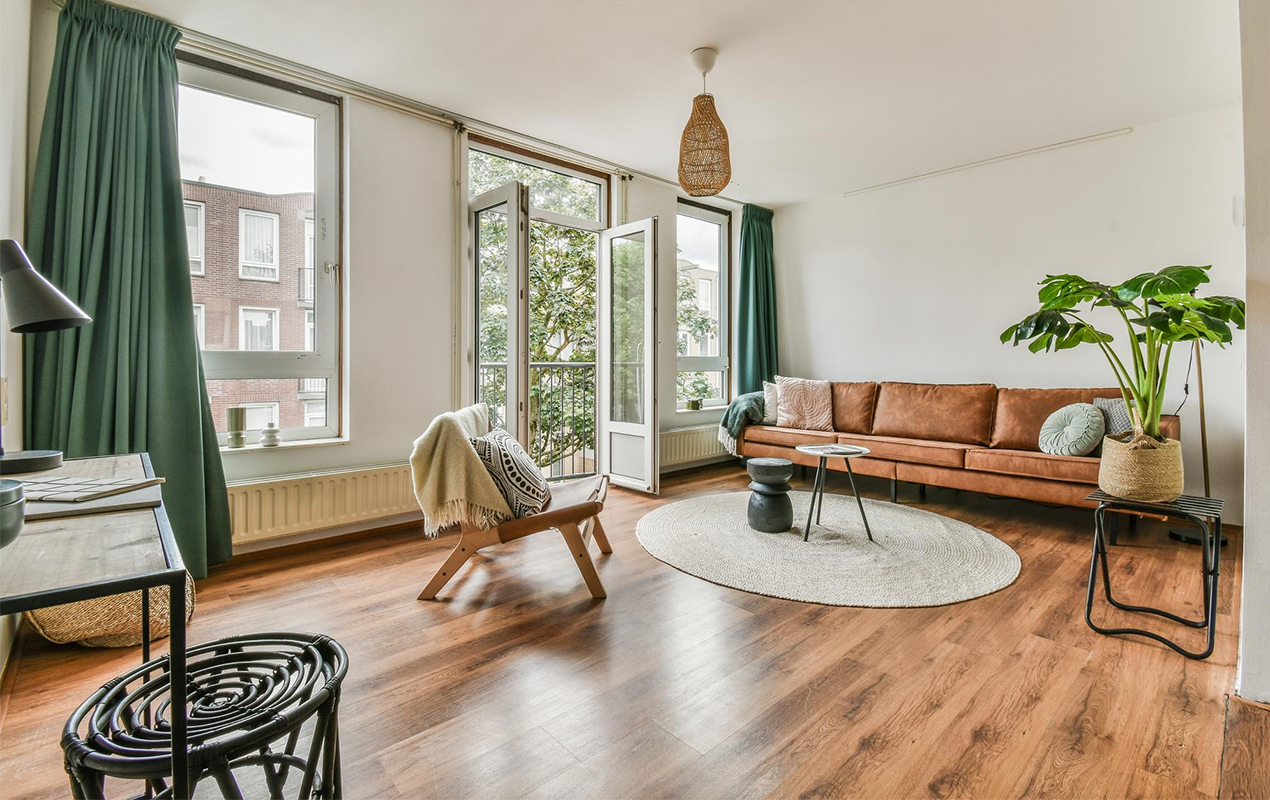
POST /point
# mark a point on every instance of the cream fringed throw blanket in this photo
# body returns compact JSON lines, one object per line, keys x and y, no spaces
{"x":451,"y":483}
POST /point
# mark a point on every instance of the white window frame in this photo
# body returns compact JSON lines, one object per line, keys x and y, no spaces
{"x":324,"y":360}
{"x":310,"y":328}
{"x":723,"y":302}
{"x":243,"y":261}
{"x":202,"y":235}
{"x":242,"y":328}
{"x":275,"y":407}
{"x":200,"y":324}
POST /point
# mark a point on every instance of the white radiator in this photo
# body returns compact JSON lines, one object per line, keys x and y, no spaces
{"x":688,"y":447}
{"x":299,"y":504}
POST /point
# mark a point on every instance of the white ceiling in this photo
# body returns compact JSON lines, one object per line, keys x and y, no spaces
{"x":818,"y":97}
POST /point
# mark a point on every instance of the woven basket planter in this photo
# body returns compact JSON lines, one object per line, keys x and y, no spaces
{"x":1135,"y":466}
{"x":113,"y":621}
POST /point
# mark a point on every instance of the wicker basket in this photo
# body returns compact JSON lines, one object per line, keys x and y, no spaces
{"x":113,"y":621}
{"x":1139,"y":467}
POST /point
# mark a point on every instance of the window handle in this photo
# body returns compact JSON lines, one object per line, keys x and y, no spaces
{"x":330,"y":269}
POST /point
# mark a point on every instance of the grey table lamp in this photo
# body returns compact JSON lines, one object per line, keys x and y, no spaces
{"x":34,"y":306}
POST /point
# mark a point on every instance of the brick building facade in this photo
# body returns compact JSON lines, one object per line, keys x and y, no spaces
{"x":251,"y":267}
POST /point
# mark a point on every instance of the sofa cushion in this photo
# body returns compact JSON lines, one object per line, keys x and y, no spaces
{"x":936,"y":412}
{"x":1074,"y":430}
{"x":789,"y":437}
{"x":803,"y":403}
{"x":917,"y":451}
{"x":1031,"y":464}
{"x":853,"y":405}
{"x":1021,"y":413}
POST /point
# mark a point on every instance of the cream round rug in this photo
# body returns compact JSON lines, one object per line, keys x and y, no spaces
{"x":917,"y":558}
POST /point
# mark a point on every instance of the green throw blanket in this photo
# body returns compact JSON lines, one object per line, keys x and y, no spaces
{"x":744,"y":410}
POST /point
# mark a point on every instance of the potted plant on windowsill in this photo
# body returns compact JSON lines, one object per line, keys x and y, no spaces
{"x":1158,"y":309}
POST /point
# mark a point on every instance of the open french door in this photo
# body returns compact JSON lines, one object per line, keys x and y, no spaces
{"x":626,"y":353}
{"x":498,"y":222}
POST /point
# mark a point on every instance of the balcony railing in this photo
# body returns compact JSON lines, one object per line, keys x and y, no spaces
{"x":561,"y":413}
{"x":312,"y":386}
{"x":306,"y":286}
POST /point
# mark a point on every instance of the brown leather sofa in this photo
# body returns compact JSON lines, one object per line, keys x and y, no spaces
{"x":974,"y":437}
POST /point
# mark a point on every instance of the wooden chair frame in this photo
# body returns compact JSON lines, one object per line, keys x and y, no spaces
{"x":577,"y":522}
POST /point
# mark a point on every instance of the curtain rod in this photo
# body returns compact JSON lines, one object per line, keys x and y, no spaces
{"x":200,"y":43}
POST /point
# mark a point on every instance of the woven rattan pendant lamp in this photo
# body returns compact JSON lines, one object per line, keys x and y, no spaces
{"x":705,"y":167}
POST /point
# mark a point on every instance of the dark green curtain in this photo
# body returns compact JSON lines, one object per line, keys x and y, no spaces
{"x":756,"y":320}
{"x":107,"y":227}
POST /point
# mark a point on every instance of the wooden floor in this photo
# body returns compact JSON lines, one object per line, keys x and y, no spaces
{"x":517,"y":684}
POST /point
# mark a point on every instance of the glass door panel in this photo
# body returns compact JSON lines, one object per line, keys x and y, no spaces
{"x":497,"y":246}
{"x":628,"y":418}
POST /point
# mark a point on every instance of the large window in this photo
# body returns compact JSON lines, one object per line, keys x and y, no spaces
{"x":703,"y":306}
{"x":260,"y":178}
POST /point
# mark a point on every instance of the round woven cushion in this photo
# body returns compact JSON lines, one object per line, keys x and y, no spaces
{"x":1074,"y":430}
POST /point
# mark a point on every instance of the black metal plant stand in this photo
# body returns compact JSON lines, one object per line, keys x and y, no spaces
{"x":1197,"y":510}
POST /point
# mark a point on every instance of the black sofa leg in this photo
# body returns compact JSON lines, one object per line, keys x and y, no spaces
{"x":895,"y":490}
{"x":802,"y":471}
{"x":921,"y":491}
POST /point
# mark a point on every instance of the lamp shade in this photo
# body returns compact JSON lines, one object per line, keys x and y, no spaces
{"x":705,"y":166}
{"x":34,"y":304}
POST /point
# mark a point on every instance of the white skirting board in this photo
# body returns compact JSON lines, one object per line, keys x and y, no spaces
{"x":691,"y":447}
{"x":292,"y":505}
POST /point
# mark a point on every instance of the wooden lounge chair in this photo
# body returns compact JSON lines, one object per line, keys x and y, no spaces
{"x":573,"y":509}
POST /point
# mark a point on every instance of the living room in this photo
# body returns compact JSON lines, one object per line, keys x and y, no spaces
{"x":444,"y":283}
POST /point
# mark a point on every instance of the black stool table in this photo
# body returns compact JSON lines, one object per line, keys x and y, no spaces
{"x":1199,"y":511}
{"x":246,"y":695}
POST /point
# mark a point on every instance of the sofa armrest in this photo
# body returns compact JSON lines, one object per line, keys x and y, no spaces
{"x":1171,"y":426}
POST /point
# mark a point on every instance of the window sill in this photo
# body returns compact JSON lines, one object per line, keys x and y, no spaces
{"x":701,"y":410}
{"x":291,"y":445}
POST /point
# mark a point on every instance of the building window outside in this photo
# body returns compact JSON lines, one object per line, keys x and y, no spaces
{"x":258,"y":329}
{"x":195,"y":214}
{"x":260,"y":177}
{"x":261,"y":414}
{"x":314,"y":413}
{"x":257,"y":245}
{"x":703,"y":366}
{"x":200,"y":324}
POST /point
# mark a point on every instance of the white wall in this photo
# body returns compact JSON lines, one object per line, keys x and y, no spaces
{"x":15,"y":39}
{"x":916,"y":282}
{"x":1254,"y":642}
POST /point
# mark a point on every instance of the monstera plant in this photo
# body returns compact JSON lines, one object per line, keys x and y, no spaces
{"x":1158,"y":310}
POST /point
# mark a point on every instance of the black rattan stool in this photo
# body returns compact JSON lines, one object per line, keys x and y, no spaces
{"x":246,"y":694}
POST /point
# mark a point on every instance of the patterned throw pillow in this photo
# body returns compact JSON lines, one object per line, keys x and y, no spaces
{"x":1116,"y":414}
{"x":770,"y":401}
{"x":514,"y":472}
{"x":804,"y":404}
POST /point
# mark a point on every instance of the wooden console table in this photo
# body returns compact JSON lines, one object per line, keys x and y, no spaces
{"x":69,"y":559}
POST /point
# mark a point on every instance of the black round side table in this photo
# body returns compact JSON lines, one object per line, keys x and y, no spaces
{"x":770,"y":509}
{"x":247,"y":694}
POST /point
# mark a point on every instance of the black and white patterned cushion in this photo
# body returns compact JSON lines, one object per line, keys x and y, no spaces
{"x":514,"y":472}
{"x":1116,"y":414}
